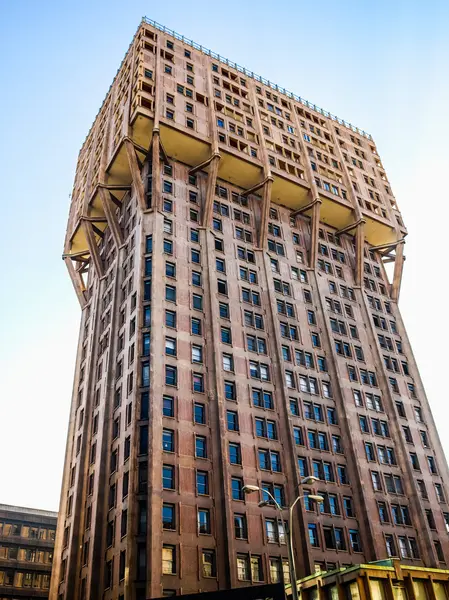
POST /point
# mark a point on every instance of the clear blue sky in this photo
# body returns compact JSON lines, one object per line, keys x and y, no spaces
{"x":381,"y":65}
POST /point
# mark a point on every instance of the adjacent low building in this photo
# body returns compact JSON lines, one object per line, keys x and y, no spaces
{"x":382,"y":580}
{"x":27,"y":538}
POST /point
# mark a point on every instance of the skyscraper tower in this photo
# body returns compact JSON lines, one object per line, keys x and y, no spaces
{"x":227,"y":241}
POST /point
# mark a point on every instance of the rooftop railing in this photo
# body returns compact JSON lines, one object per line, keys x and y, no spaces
{"x":253,"y":75}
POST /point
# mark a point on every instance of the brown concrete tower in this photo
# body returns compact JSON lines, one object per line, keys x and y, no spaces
{"x":227,"y":243}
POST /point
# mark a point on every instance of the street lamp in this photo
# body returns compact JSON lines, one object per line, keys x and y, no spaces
{"x":249,"y":489}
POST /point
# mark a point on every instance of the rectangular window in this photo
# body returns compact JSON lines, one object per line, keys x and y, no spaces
{"x":168,"y":516}
{"x":168,"y":559}
{"x":204,"y":526}
{"x":168,"y":477}
{"x":202,"y":483}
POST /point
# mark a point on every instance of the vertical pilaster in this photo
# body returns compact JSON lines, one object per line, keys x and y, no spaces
{"x":303,"y":558}
{"x":157,"y":380}
{"x":352,"y":457}
{"x":417,"y":512}
{"x":217,"y":407}
{"x":102,"y":460}
{"x":59,"y":546}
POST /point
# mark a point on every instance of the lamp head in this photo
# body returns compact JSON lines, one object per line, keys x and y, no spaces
{"x":309,"y":480}
{"x":318,"y":499}
{"x":249,"y":489}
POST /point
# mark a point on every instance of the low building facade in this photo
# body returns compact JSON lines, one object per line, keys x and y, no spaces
{"x":27,"y":538}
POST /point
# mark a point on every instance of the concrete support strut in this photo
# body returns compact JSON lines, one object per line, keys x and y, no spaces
{"x":156,"y":170}
{"x":93,"y":248}
{"x":111,"y":217}
{"x":135,"y":173}
{"x":265,"y":213}
{"x":210,"y":190}
{"x":77,"y":281}
{"x":397,"y":274}
{"x":314,"y":234}
{"x":359,"y":252}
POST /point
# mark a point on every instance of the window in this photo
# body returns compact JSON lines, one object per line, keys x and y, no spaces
{"x":222,"y":287}
{"x":327,"y":390}
{"x":342,"y":474}
{"x":168,"y":477}
{"x":262,"y":398}
{"x":354,"y":539}
{"x":236,"y":488}
{"x":269,"y":460}
{"x":232,"y":420}
{"x":224,"y":310}
{"x":315,"y":340}
{"x":170,"y":346}
{"x":424,"y":439}
{"x":197,"y":354}
{"x":298,"y":437}
{"x":414,"y":460}
{"x":313,"y":535}
{"x":170,"y":318}
{"x":439,"y":492}
{"x":407,"y":434}
{"x":171,"y":375}
{"x":243,"y":572}
{"x":196,"y":326}
{"x":168,"y":559}
{"x":168,"y":440}
{"x":334,"y":538}
{"x":168,"y":516}
{"x":230,"y":391}
{"x":226,"y":336}
{"x":196,"y":278}
{"x":348,"y":507}
{"x":200,"y":446}
{"x":274,"y":531}
{"x":197,"y":301}
{"x":221,"y":267}
{"x":259,"y":371}
{"x":204,"y":526}
{"x":240,"y":527}
{"x":199,"y":413}
{"x":235,"y":454}
{"x":432,"y":465}
{"x":228,"y":362}
{"x":202,"y":483}
{"x":170,"y":293}
{"x":266,"y":429}
{"x":209,"y":563}
{"x":198,"y":382}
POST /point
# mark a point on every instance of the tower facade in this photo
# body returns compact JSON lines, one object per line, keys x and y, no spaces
{"x":227,"y":241}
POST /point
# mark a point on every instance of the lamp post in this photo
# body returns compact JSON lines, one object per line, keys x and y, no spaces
{"x":249,"y":489}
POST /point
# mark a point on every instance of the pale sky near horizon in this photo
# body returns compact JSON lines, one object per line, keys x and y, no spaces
{"x":383,"y":66}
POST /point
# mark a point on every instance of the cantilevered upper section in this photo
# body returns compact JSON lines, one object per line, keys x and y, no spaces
{"x":204,"y":107}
